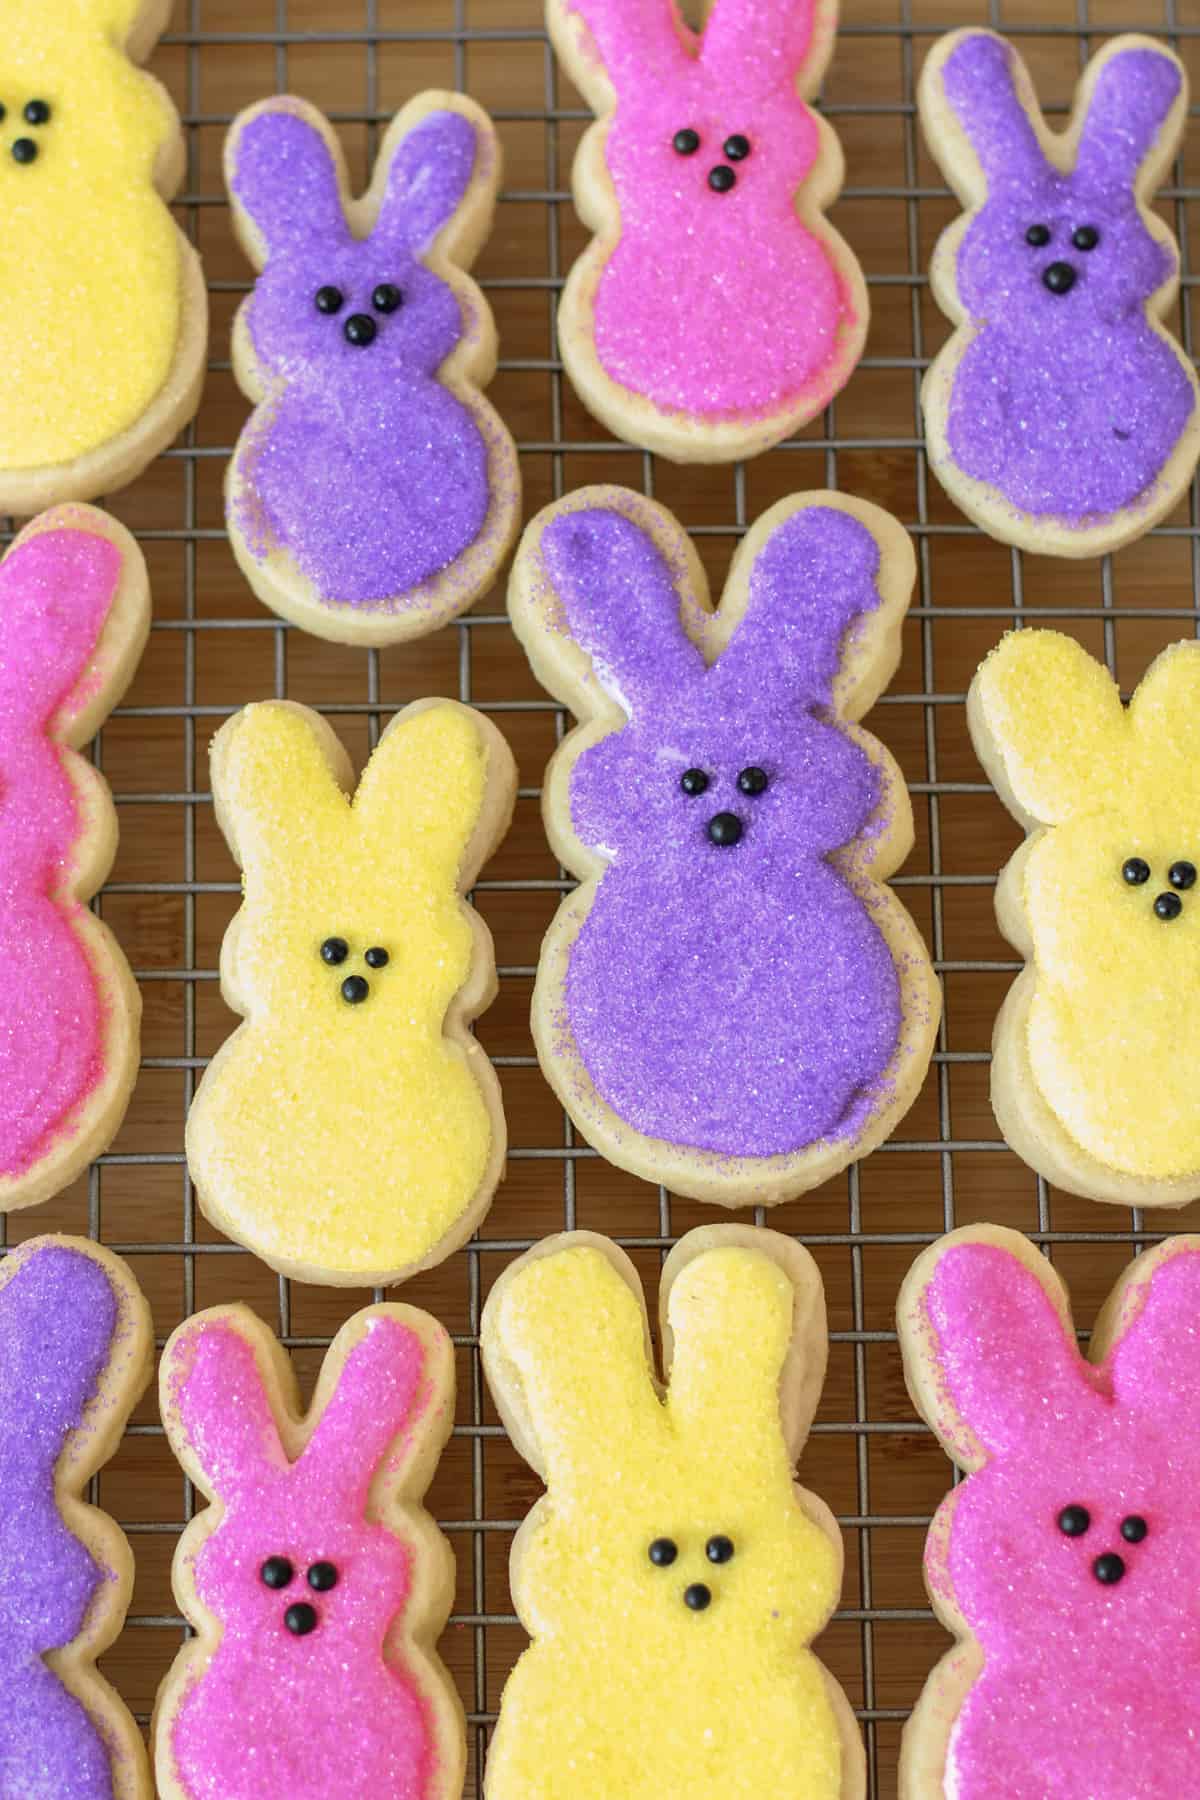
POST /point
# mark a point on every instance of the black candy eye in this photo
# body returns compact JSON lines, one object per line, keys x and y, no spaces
{"x":1073,"y":1521}
{"x":719,"y":1549}
{"x":329,"y":300}
{"x":37,"y":112}
{"x":1134,"y":1528}
{"x":276,"y":1572}
{"x":752,"y":780}
{"x":1182,"y":875}
{"x":693,"y":782}
{"x":1135,"y":871}
{"x":1085,"y":237}
{"x":387,"y":297}
{"x":662,"y":1552}
{"x":376,"y":957}
{"x":736,"y":148}
{"x":686,"y":142}
{"x":322,"y":1576}
{"x":334,"y":950}
{"x":1038,"y":236}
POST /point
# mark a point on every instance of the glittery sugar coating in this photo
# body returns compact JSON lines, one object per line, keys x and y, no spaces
{"x":363,"y":465}
{"x":330,"y":1715}
{"x":1109,"y":783}
{"x":1070,"y":403}
{"x":56,"y":589}
{"x":739,"y":1000}
{"x":58,"y":1315}
{"x":91,"y":317}
{"x":625,"y":1690}
{"x":1086,"y":1688}
{"x":717,"y":304}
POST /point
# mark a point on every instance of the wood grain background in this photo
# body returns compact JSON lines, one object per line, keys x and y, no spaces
{"x":213,"y":648}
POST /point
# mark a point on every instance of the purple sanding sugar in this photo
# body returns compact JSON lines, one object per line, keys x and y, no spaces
{"x":57,"y":1319}
{"x":737,"y":1000}
{"x":1069,"y":403}
{"x":363,"y":465}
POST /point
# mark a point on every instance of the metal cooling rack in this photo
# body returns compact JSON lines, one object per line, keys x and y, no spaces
{"x":361,"y":59}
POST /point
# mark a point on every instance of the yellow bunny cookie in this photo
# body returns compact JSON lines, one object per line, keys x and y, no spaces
{"x":350,"y":1131}
{"x":104,"y":325}
{"x":1097,"y":1045}
{"x":673,"y":1576}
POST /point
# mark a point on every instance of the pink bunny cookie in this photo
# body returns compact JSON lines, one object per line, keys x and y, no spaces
{"x":1065,"y":1564}
{"x":732,"y":1002}
{"x":1062,"y":415}
{"x":315,"y":1580}
{"x":374,"y":492}
{"x":716,"y":310}
{"x":74,"y":614}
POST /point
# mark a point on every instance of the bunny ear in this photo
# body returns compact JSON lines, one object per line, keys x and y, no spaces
{"x":276,"y":766}
{"x":757,"y":46}
{"x":369,"y":1394}
{"x":805,"y":581}
{"x":215,"y":1402}
{"x":1130,"y":99}
{"x":284,"y":171}
{"x":1047,"y":721}
{"x":423,"y":789}
{"x":566,"y":1347}
{"x":988,"y":87}
{"x":630,"y":37}
{"x":996,"y":1332}
{"x":1156,"y":1359}
{"x":1165,"y":716}
{"x":429,"y":171}
{"x":622,"y":602}
{"x":56,"y":590}
{"x":58,"y":1315}
{"x":730,"y":1313}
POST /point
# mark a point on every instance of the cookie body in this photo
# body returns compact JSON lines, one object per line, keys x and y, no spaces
{"x":314,"y":1578}
{"x":1099,"y":900}
{"x":673,"y":1576}
{"x":732,"y":1002}
{"x":716,"y":310}
{"x":76,"y":1350}
{"x":374,"y":492}
{"x":1061,"y":415}
{"x":1062,"y":1563}
{"x":351,"y":1131}
{"x":76,"y":611}
{"x":99,"y":380}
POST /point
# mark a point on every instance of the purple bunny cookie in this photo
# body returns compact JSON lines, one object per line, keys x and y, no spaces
{"x":75,"y":1354}
{"x":1061,"y":416}
{"x":374,"y":492}
{"x":731,"y":1003}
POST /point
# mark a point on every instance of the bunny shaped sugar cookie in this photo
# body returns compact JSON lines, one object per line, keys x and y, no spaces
{"x":104,"y":326}
{"x":674,"y":1575}
{"x":716,"y":310}
{"x":374,"y":492}
{"x":74,"y":614}
{"x":732,"y":1002}
{"x":76,"y":1351}
{"x":315,"y":1580}
{"x":1065,"y":1564}
{"x":1097,"y":1044}
{"x":351,"y":1131}
{"x":1062,"y":415}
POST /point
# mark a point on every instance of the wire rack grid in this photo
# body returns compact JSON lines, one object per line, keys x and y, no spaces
{"x":212,"y":648}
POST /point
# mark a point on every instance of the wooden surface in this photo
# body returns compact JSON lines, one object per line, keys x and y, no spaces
{"x":213,"y":648}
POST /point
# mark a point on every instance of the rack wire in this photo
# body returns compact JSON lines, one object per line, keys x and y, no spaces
{"x":212,"y":648}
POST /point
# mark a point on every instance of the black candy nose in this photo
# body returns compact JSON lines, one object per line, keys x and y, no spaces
{"x":301,"y":1619}
{"x":1108,"y":1569}
{"x":1060,"y":277}
{"x":1168,"y":906}
{"x":697,"y":1597}
{"x":360,"y":330}
{"x":24,"y":150}
{"x":355,"y":990}
{"x":725,"y":829}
